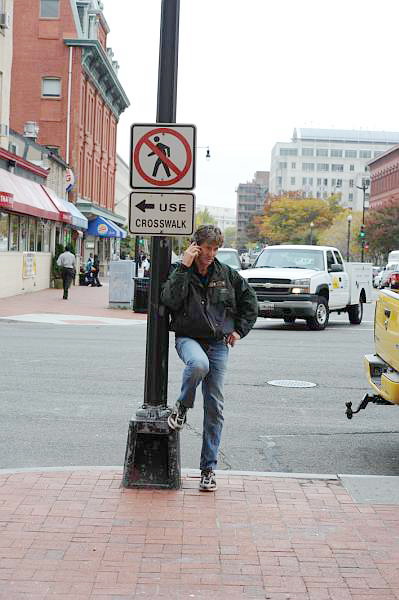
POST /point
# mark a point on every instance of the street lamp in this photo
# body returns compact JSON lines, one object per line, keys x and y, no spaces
{"x":349,"y":219}
{"x":311,"y":233}
{"x":364,"y":187}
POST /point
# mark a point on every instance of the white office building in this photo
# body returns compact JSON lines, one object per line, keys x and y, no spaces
{"x":321,"y":162}
{"x":225,"y":217}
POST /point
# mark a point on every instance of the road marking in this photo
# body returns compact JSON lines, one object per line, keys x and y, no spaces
{"x":57,"y":319}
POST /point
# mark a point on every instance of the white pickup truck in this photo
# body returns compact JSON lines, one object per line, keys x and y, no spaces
{"x":309,"y":282}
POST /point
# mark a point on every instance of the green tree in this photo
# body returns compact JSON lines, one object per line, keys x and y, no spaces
{"x":204,"y":217}
{"x":382,"y":229}
{"x":230,"y":236}
{"x":287,"y":218}
{"x":337,"y":234}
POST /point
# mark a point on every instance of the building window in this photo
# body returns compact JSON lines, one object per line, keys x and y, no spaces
{"x":307,"y":166}
{"x":351,"y":167}
{"x":322,"y":152}
{"x":32,"y":235}
{"x":3,"y":232}
{"x":288,"y":152}
{"x":336,"y":153}
{"x":293,"y":165}
{"x":325,"y":181}
{"x":310,"y":180}
{"x":350,"y":197}
{"x":23,"y":234}
{"x":351,"y":183}
{"x":279,"y":181}
{"x":339,"y":182}
{"x":364,"y":153}
{"x":14,"y":231}
{"x":49,"y":9}
{"x":282,"y":165}
{"x":337,"y":167}
{"x":51,"y":87}
{"x":307,"y":152}
{"x":304,"y":180}
{"x":350,"y":153}
{"x":323,"y":166}
{"x":292,"y":180}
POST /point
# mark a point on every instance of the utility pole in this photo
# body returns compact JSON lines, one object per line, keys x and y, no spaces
{"x":364,"y":187}
{"x":153,"y":452}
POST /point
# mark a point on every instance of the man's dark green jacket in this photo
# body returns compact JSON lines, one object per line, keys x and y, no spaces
{"x":209,"y":311}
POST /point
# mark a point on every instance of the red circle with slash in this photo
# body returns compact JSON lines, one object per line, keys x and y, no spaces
{"x":180,"y":173}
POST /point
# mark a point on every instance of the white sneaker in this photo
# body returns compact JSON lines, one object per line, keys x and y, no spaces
{"x":177,"y":417}
{"x":208,"y":481}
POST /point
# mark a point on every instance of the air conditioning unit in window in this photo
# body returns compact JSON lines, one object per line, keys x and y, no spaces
{"x":3,"y":129}
{"x":5,"y":20}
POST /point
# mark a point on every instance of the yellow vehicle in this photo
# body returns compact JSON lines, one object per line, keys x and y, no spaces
{"x":382,"y":368}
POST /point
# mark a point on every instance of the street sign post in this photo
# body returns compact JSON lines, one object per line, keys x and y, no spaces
{"x":152,"y":458}
{"x":161,"y":214}
{"x":162,"y":156}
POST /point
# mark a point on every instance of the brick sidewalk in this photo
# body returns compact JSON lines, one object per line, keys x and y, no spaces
{"x":77,"y":535}
{"x":82,"y":300}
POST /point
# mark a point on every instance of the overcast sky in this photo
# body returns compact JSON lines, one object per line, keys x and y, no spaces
{"x":250,"y":71}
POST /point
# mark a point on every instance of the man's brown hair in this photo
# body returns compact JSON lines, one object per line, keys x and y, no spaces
{"x":208,"y":233}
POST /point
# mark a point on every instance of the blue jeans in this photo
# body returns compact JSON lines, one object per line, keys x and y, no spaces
{"x":207,"y":365}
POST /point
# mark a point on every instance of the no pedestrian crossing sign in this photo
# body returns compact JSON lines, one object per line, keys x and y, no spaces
{"x":161,"y":214}
{"x":162,"y":156}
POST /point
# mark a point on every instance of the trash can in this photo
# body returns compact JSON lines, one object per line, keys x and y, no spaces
{"x":141,"y":292}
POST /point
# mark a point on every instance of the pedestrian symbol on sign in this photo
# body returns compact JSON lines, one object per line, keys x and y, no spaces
{"x":162,"y":156}
{"x":165,"y":150}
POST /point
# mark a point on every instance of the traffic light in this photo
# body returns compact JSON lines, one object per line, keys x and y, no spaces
{"x":362,"y":233}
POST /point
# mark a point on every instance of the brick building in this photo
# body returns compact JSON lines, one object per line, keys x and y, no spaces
{"x":384,"y":175}
{"x":64,"y":78}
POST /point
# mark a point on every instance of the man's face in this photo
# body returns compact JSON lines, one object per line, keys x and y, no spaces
{"x":207,"y":254}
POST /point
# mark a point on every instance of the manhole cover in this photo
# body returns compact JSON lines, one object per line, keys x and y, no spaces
{"x":291,"y":383}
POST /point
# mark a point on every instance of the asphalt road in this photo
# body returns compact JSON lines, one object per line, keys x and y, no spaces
{"x":67,"y":394}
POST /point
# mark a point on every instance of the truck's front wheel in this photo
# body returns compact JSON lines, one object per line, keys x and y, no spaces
{"x":320,"y":319}
{"x":355,"y":313}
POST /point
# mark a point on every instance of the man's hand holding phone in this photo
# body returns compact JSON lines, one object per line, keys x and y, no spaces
{"x":191,"y":254}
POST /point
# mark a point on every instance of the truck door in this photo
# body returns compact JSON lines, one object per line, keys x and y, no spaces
{"x":335,"y":283}
{"x":343,"y":291}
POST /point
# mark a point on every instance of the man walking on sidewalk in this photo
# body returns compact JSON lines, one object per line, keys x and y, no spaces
{"x":212,"y":308}
{"x":67,"y":262}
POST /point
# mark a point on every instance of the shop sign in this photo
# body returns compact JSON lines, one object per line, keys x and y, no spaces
{"x":28,"y":265}
{"x":69,"y":180}
{"x":6,"y":200}
{"x":102,"y":229}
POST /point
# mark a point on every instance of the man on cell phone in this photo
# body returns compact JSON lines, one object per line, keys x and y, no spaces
{"x":212,"y":307}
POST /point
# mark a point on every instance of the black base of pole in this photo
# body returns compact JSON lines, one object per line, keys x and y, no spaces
{"x":152,"y":458}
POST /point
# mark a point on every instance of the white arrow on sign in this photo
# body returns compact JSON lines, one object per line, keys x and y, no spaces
{"x":161,"y":214}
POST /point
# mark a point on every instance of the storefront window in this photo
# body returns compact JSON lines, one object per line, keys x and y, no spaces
{"x":3,"y":232}
{"x":14,"y":233}
{"x":32,"y":235}
{"x":39,"y":236}
{"x":46,"y":238}
{"x":23,"y":234}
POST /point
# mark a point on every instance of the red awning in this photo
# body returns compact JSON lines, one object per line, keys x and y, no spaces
{"x":27,"y":197}
{"x":65,"y":216}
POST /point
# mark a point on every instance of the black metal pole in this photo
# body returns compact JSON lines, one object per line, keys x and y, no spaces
{"x":157,"y":353}
{"x":364,"y":203}
{"x":153,"y":450}
{"x":348,"y":242}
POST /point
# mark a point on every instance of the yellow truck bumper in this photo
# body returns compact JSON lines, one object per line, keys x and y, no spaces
{"x":382,"y":378}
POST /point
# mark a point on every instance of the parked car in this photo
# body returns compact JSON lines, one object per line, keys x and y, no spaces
{"x":376,"y":271}
{"x":386,"y":273}
{"x":394,"y":281}
{"x":230,"y":257}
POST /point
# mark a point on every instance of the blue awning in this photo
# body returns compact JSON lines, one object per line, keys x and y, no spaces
{"x":101,"y":227}
{"x":78,"y":219}
{"x":123,"y":232}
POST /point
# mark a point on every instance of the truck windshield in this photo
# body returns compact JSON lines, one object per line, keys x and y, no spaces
{"x":291,"y":258}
